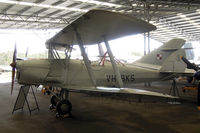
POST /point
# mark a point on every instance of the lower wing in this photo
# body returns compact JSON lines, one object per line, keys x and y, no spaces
{"x":132,"y":91}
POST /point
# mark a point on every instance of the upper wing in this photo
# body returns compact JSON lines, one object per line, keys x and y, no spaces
{"x":132,"y":91}
{"x":95,"y":24}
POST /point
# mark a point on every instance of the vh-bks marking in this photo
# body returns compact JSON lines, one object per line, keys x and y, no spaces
{"x":125,"y":78}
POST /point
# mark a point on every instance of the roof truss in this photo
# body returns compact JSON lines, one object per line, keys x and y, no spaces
{"x":178,"y":16}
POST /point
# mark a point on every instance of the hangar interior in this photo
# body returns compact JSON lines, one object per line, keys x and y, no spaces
{"x":173,"y":18}
{"x":179,"y":17}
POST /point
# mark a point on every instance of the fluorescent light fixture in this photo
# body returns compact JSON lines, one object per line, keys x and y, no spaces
{"x":41,"y":5}
{"x":198,"y":10}
{"x":100,"y":3}
{"x":134,"y":4}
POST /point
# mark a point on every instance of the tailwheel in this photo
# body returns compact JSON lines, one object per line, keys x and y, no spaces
{"x":63,"y":108}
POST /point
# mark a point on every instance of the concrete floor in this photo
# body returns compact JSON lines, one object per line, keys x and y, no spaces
{"x":98,"y":115}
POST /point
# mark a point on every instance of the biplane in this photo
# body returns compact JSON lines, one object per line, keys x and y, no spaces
{"x":73,"y":75}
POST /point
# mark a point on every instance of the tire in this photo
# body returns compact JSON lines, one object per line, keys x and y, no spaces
{"x":64,"y":107}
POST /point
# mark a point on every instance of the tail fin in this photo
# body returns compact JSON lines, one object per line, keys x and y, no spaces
{"x":159,"y":56}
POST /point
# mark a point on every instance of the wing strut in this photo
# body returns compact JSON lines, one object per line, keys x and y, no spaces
{"x":85,"y":58}
{"x":115,"y":68}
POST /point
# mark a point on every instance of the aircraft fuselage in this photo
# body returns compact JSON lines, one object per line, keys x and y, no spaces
{"x":57,"y":72}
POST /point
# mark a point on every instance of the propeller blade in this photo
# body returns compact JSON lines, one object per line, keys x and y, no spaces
{"x":26,"y":55}
{"x":13,"y":65}
{"x":14,"y":54}
{"x":13,"y":79}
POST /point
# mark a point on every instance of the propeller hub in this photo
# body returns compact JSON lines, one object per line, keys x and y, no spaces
{"x":13,"y":64}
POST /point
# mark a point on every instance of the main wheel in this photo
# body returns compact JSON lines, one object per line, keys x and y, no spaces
{"x":64,"y":107}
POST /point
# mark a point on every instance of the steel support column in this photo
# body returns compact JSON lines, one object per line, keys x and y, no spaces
{"x":145,"y":44}
{"x":148,"y":35}
{"x":145,"y":52}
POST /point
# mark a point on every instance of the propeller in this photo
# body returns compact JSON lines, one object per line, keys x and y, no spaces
{"x":26,"y":55}
{"x":13,"y":65}
{"x":196,"y":76}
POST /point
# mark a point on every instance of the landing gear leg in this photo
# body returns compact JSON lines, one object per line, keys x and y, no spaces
{"x":64,"y":106}
{"x":174,"y":92}
{"x":54,"y":100}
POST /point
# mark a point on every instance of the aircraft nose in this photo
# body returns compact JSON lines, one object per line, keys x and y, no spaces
{"x":13,"y":64}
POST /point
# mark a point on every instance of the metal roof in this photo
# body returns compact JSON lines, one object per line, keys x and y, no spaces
{"x":173,"y":18}
{"x":182,"y":25}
